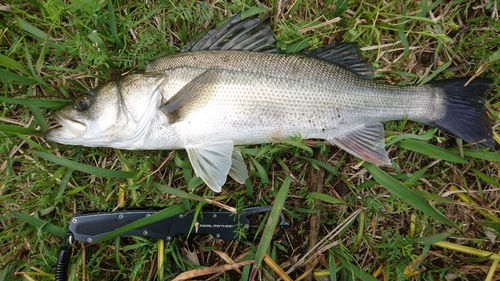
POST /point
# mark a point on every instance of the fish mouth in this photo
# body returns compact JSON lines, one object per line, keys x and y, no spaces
{"x":69,"y":128}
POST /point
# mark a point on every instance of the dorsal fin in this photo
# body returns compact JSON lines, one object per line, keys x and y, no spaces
{"x":347,"y":55}
{"x":250,"y":34}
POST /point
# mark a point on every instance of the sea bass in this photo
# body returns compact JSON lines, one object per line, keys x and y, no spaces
{"x":233,"y":87}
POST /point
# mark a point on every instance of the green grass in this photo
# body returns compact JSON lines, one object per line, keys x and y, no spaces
{"x":376,"y":224}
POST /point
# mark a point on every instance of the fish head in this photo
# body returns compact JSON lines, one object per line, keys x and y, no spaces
{"x":115,"y":114}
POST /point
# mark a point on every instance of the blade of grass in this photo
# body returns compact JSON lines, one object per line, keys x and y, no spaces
{"x":6,"y":272}
{"x":406,"y":194}
{"x":360,"y":232}
{"x":271,"y":224}
{"x":34,"y":145}
{"x":491,"y":272}
{"x":332,"y":267}
{"x":179,"y":193}
{"x":40,"y":224}
{"x":480,"y":154}
{"x":253,"y":11}
{"x":491,"y":180}
{"x":160,"y":258}
{"x":11,"y":76}
{"x":40,"y":118}
{"x":467,"y":250}
{"x":41,"y":59}
{"x":130,"y":181}
{"x":402,"y":35}
{"x":435,"y":73}
{"x":324,"y":197}
{"x":474,"y":205}
{"x":34,"y":101}
{"x":264,"y":179}
{"x":297,"y":47}
{"x":194,"y":182}
{"x":83,"y":167}
{"x":112,"y":25}
{"x":18,"y":130}
{"x":323,"y":165}
{"x":31,"y":68}
{"x":43,"y":37}
{"x":97,"y":40}
{"x":117,"y":253}
{"x":34,"y":31}
{"x":434,"y":197}
{"x":299,"y":144}
{"x":413,"y":179}
{"x":67,"y":176}
{"x":295,"y":6}
{"x":358,"y":272}
{"x":425,"y":137}
{"x":12,"y":64}
{"x":431,"y":150}
{"x":340,"y":8}
{"x":429,"y":239}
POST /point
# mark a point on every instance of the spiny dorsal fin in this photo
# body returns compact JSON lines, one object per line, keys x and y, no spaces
{"x":250,"y":34}
{"x":345,"y":54}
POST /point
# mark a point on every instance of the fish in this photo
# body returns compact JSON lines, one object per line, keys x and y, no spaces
{"x":234,"y":87}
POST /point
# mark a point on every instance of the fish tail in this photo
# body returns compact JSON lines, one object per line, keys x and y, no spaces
{"x":466,"y":115}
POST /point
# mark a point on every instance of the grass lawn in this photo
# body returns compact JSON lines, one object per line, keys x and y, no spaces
{"x":434,"y":215}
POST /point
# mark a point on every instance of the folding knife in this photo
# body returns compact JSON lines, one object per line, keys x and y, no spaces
{"x":88,"y":226}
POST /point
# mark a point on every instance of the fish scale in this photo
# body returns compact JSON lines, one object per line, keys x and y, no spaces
{"x":308,"y":105}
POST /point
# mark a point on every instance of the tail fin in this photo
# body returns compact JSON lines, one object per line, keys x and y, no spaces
{"x":466,"y":115}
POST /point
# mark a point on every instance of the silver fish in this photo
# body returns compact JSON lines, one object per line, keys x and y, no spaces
{"x":233,"y":87}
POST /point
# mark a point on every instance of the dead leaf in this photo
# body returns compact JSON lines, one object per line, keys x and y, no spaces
{"x":210,"y":270}
{"x":226,"y":258}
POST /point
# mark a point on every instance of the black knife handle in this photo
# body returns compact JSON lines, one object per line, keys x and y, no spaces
{"x":89,"y":226}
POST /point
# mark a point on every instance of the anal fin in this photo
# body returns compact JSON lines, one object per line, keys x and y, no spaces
{"x":365,"y":142}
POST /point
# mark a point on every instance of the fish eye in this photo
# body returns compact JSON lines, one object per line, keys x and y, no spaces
{"x":83,"y":102}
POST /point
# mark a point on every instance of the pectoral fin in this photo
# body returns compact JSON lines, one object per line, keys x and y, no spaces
{"x":238,"y":170}
{"x":187,"y":98}
{"x":211,"y":162}
{"x":365,"y":142}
